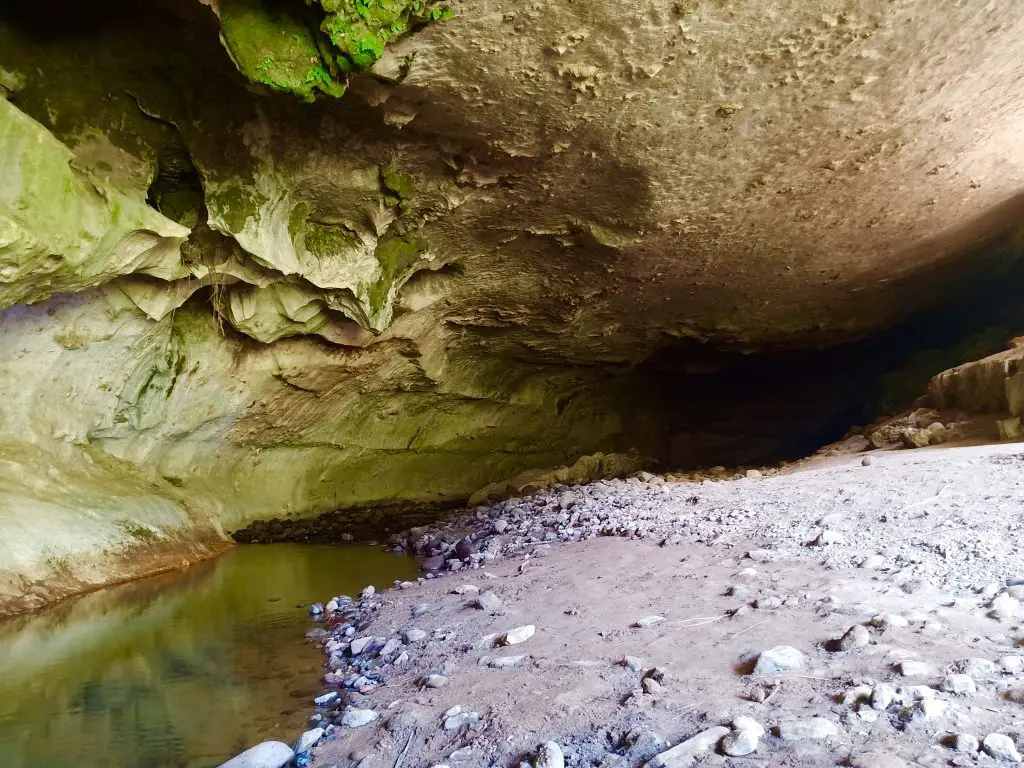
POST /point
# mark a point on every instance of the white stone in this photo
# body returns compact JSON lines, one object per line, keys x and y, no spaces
{"x":889,"y":621}
{"x":1003,"y":608}
{"x":269,"y":754}
{"x":828,"y":537}
{"x":781,"y":658}
{"x":965,"y":742}
{"x":914,"y":668}
{"x":414,"y":635}
{"x":1012,"y":664}
{"x":687,"y":753}
{"x":466,"y":589}
{"x":435,"y":681}
{"x":327,"y":698}
{"x":744,"y":723}
{"x":518,"y":635}
{"x":975,"y":667}
{"x":648,"y":621}
{"x":357,"y":718}
{"x":872,"y":562}
{"x":882,"y":697}
{"x":1001,"y":747}
{"x":740,"y":742}
{"x":549,"y":755}
{"x":959,"y":684}
{"x":929,"y":709}
{"x":504,"y":662}
{"x":813,"y":728}
{"x":308,"y":740}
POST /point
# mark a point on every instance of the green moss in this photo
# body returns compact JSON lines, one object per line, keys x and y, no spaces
{"x":396,"y":254}
{"x":360,"y":29}
{"x":234,"y":204}
{"x":297,"y":220}
{"x":325,"y":241}
{"x":397,"y":186}
{"x":274,"y":42}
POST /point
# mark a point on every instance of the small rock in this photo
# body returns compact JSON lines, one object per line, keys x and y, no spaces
{"x":856,"y":637}
{"x":1003,"y":608}
{"x":739,"y":743}
{"x":974,"y":667}
{"x":754,"y":474}
{"x":465,"y":548}
{"x":500,"y":526}
{"x":332,"y":606}
{"x":872,"y":562}
{"x":358,"y":646}
{"x":308,"y":740}
{"x":460,"y":720}
{"x":1012,"y":664}
{"x":466,"y":589}
{"x":651,"y":686}
{"x":314,"y":610}
{"x":687,"y":753}
{"x":813,"y":728}
{"x":326,"y":699}
{"x":357,"y":718}
{"x":827,"y":538}
{"x":269,"y":754}
{"x":368,"y":592}
{"x":914,"y":668}
{"x":431,"y":564}
{"x":648,"y":621}
{"x":781,"y":658}
{"x":488,"y":601}
{"x":882,"y":696}
{"x":889,"y":621}
{"x":633,"y":663}
{"x":1001,"y":747}
{"x":435,"y":681}
{"x":928,"y":709}
{"x":866,"y":461}
{"x":768,"y":603}
{"x":504,"y":662}
{"x":958,"y":684}
{"x":744,"y":723}
{"x":857,"y":695}
{"x":414,"y":635}
{"x":518,"y":635}
{"x":965,"y":742}
{"x":549,"y":755}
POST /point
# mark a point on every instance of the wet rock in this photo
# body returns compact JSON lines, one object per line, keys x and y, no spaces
{"x":549,"y":755}
{"x":648,"y":621}
{"x":781,"y":658}
{"x":269,"y":754}
{"x":326,"y":700}
{"x":308,"y":740}
{"x":357,"y":718}
{"x":488,"y":601}
{"x":431,"y":564}
{"x":687,"y":753}
{"x":369,"y":591}
{"x":965,"y":742}
{"x":465,"y":548}
{"x":812,"y":728}
{"x":855,"y":637}
{"x":959,"y":684}
{"x":315,"y":609}
{"x":1000,"y":747}
{"x":518,"y":635}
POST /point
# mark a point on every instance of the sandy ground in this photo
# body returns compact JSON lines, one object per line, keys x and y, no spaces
{"x":919,"y":548}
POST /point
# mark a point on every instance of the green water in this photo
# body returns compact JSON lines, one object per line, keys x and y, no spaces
{"x":180,"y":670}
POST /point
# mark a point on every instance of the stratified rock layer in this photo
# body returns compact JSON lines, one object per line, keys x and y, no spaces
{"x":335,"y":254}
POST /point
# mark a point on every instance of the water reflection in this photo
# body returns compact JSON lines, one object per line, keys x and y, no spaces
{"x":178,"y":670}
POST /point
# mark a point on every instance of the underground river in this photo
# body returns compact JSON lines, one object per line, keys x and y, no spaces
{"x":185,"y":669}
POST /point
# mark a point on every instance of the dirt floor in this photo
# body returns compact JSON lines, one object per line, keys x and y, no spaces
{"x":918,"y":548}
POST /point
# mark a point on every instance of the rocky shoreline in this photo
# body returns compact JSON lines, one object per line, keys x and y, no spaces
{"x":844,"y":615}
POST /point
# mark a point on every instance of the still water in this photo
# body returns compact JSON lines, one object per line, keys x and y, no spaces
{"x":178,"y":670}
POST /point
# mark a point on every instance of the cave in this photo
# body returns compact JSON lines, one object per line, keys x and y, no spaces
{"x":323,"y":270}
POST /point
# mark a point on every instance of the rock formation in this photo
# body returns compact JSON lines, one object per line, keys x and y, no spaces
{"x":277,"y":257}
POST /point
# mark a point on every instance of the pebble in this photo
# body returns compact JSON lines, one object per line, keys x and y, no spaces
{"x":813,"y":728}
{"x":460,"y":720}
{"x":744,"y":723}
{"x":500,"y":526}
{"x":326,"y":699}
{"x":866,"y":461}
{"x":914,"y":668}
{"x":648,"y":621}
{"x":1001,"y":747}
{"x":435,"y":681}
{"x":549,"y":755}
{"x":965,"y":742}
{"x":504,"y":662}
{"x":754,"y":474}
{"x":687,"y":753}
{"x":466,"y":589}
{"x":958,"y":684}
{"x":889,"y":621}
{"x":1003,"y":608}
{"x":650,"y":685}
{"x":269,"y":754}
{"x":314,"y":610}
{"x":358,"y":646}
{"x":357,"y":718}
{"x":633,"y":663}
{"x":368,"y":592}
{"x":414,"y":635}
{"x":855,"y":637}
{"x":308,"y":740}
{"x":518,"y":635}
{"x":739,"y":743}
{"x":882,"y":696}
{"x":781,"y":658}
{"x":488,"y":601}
